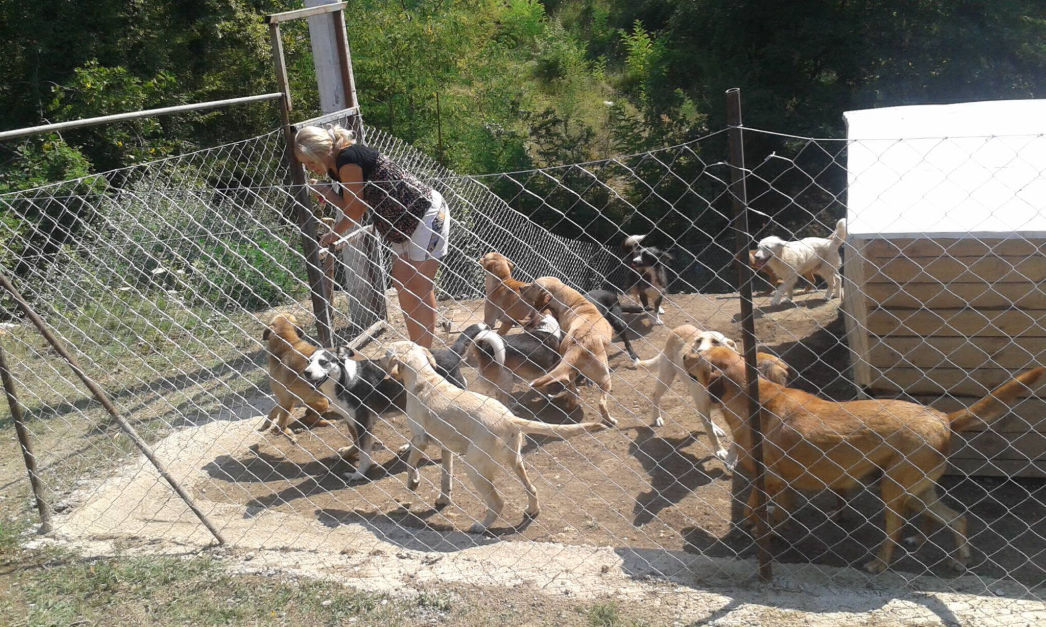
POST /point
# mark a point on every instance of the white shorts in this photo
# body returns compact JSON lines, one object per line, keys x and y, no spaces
{"x":430,"y":238}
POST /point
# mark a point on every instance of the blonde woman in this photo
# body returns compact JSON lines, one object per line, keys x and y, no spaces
{"x":409,"y":215}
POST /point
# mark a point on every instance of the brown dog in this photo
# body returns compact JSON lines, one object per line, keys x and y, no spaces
{"x":586,"y":336}
{"x":773,"y":279}
{"x":288,"y":356}
{"x":813,"y":444}
{"x":503,"y":303}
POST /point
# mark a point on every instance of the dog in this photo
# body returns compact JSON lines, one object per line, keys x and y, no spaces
{"x":790,"y":260}
{"x":609,"y":305}
{"x":647,"y":274}
{"x":288,"y":353}
{"x":448,"y":360}
{"x":503,"y":303}
{"x":526,"y":356}
{"x":669,"y":363}
{"x":773,"y":279}
{"x":586,"y":336}
{"x":480,"y":429}
{"x":359,"y":390}
{"x":814,"y":444}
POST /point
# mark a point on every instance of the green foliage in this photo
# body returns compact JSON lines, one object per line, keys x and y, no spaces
{"x":95,"y":91}
{"x":252,"y":275}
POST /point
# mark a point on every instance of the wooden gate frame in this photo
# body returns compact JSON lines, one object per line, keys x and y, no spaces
{"x":320,"y":271}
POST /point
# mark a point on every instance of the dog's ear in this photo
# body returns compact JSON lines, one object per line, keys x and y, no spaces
{"x":300,"y":331}
{"x":715,"y":384}
{"x":266,"y":333}
{"x":345,"y":352}
{"x":732,"y":344}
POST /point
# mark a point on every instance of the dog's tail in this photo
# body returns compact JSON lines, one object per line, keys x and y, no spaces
{"x":839,"y":236}
{"x":467,"y":337}
{"x":491,"y":343}
{"x":559,"y":431}
{"x":646,"y":363}
{"x":632,"y":241}
{"x":996,"y":403}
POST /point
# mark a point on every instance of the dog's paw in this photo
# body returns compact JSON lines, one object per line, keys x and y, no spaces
{"x":442,"y":502}
{"x":729,"y":458}
{"x":348,"y":452}
{"x":659,"y":421}
{"x":478,"y":528}
{"x":875,"y":566}
{"x":354,"y":477}
{"x":532,"y":514}
{"x":718,"y":431}
{"x":403,"y":449}
{"x":413,"y":483}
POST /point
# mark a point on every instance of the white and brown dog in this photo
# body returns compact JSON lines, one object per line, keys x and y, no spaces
{"x":789,"y":260}
{"x":486,"y":435}
{"x":687,"y":338}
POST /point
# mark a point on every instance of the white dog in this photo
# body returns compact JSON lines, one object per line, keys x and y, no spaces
{"x":685,"y":339}
{"x":486,"y":435}
{"x":790,"y":260}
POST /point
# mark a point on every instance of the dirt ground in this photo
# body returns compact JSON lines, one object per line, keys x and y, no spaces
{"x":635,"y":486}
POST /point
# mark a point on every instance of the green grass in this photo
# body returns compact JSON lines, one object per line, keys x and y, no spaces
{"x":176,"y":591}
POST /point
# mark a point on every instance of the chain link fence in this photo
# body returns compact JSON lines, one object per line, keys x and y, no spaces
{"x":161,"y":279}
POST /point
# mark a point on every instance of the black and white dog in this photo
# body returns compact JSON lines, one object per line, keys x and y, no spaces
{"x":647,"y":273}
{"x":505,"y":359}
{"x":360,"y":390}
{"x":609,"y":304}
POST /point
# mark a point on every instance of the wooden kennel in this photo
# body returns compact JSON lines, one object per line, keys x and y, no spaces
{"x":945,"y":265}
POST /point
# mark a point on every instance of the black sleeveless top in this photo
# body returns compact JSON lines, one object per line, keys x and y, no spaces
{"x":397,"y":199}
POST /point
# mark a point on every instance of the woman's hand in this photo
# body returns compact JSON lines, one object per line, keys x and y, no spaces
{"x":323,"y":192}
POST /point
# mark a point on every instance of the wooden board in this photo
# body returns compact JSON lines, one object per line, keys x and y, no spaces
{"x":954,"y":381}
{"x":955,"y":323}
{"x":990,"y":269}
{"x":855,"y":312}
{"x":909,"y":295}
{"x":980,"y":467}
{"x":879,"y":248}
{"x":958,"y":352}
{"x":1027,"y":446}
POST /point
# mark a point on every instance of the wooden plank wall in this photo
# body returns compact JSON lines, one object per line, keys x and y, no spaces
{"x":945,"y":320}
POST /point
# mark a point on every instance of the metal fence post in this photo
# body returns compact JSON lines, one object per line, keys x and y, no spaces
{"x":24,"y":442}
{"x":739,"y":199}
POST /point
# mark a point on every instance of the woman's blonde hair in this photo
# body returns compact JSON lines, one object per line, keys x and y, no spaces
{"x":313,"y":143}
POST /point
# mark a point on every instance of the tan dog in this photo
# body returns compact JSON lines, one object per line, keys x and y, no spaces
{"x":813,"y":444}
{"x":772,"y":278}
{"x":503,"y":303}
{"x":480,"y":429}
{"x":669,"y":363}
{"x":288,"y":354}
{"x":586,"y":336}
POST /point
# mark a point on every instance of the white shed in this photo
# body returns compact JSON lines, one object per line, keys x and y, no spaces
{"x":946,"y":261}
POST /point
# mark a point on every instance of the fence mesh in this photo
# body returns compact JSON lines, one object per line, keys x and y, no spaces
{"x":162,"y":278}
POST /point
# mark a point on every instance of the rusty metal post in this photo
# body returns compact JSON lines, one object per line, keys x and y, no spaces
{"x":107,"y":404}
{"x":739,"y":224}
{"x":42,"y":506}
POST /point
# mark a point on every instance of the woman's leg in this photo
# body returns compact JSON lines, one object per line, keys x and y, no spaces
{"x":415,"y":284}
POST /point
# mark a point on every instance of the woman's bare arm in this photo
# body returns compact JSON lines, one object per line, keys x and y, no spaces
{"x":350,"y":201}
